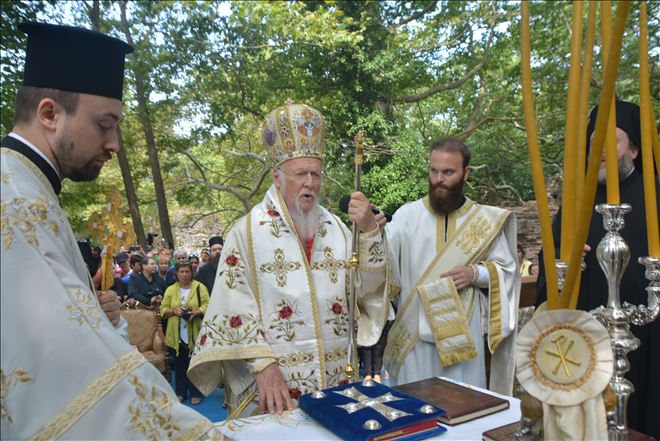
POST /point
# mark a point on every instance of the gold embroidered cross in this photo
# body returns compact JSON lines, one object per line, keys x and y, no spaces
{"x":562,"y":355}
{"x":330,"y":264}
{"x":473,"y":236}
{"x":280,"y":267}
{"x":377,"y":403}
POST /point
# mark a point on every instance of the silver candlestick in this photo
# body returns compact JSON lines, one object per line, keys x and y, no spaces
{"x":562,"y":269}
{"x":613,"y":255}
{"x":642,"y":315}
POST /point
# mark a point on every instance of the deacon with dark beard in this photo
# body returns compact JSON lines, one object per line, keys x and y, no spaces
{"x":277,"y":323}
{"x":455,"y":263}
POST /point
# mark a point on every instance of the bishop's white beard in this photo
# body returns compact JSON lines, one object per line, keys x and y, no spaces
{"x":307,"y":224}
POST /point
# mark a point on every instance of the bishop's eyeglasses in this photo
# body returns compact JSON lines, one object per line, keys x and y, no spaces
{"x":301,"y":175}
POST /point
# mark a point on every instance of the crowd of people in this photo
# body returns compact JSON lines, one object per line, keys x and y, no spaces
{"x":266,"y":312}
{"x":145,"y":275}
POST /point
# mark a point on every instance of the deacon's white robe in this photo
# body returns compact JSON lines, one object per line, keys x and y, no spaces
{"x":269,"y":304}
{"x":66,"y":371}
{"x":415,"y":236}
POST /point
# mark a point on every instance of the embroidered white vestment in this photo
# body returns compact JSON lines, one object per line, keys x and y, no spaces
{"x":66,"y":371}
{"x":269,"y":304}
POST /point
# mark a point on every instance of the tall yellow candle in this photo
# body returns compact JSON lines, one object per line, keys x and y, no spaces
{"x":647,"y":126}
{"x":611,"y":155}
{"x":586,"y":206}
{"x":535,"y":159}
{"x":568,"y":203}
{"x":585,"y":81}
{"x":612,"y":159}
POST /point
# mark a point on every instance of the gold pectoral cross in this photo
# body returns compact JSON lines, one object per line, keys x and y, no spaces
{"x":562,"y":355}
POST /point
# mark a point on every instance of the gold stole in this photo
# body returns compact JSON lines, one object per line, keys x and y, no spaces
{"x":446,"y":309}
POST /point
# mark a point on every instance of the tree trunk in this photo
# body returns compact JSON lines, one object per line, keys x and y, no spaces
{"x":124,"y":166}
{"x":143,"y":116}
{"x":95,"y":16}
{"x":131,"y":196}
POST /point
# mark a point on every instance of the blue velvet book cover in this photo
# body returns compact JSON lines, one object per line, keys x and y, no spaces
{"x":372,"y":412}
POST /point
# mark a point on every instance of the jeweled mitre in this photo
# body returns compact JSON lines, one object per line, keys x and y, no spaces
{"x":294,"y":131}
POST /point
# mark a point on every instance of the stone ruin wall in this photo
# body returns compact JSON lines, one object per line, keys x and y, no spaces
{"x":529,"y":229}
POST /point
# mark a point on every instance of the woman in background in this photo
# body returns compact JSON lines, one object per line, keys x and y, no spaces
{"x":184,"y":305}
{"x":194,"y":262}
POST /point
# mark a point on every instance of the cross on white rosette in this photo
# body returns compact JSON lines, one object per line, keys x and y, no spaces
{"x":377,"y":403}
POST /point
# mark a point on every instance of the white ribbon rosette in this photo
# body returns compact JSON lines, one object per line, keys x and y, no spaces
{"x":564,"y":359}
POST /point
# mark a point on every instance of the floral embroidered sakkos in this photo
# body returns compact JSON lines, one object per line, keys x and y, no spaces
{"x":284,"y":321}
{"x":227,"y":330}
{"x":275,"y":222}
{"x":280,"y":266}
{"x":299,"y":305}
{"x":338,"y":316}
{"x":233,"y":270}
{"x":329,"y":264}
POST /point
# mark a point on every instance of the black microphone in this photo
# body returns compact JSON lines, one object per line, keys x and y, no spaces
{"x":343,"y":206}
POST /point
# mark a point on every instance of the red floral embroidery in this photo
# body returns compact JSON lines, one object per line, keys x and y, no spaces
{"x":295,"y":393}
{"x":202,"y":341}
{"x":285,"y":312}
{"x":235,"y":321}
{"x":231,"y":260}
{"x":337,"y":316}
{"x":272,"y":213}
{"x":283,"y":320}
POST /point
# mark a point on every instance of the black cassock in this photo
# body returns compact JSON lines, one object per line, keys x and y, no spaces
{"x":644,"y":403}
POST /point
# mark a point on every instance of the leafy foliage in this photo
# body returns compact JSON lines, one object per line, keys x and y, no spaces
{"x":405,"y":72}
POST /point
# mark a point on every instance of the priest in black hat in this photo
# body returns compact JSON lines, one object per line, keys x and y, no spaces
{"x":207,"y":272}
{"x":643,"y":406}
{"x":66,"y":371}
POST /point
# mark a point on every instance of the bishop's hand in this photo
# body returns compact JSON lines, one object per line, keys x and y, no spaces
{"x":359,"y":211}
{"x":273,"y":393}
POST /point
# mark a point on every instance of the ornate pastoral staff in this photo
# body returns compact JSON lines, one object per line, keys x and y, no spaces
{"x":354,"y":262}
{"x":108,"y":227}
